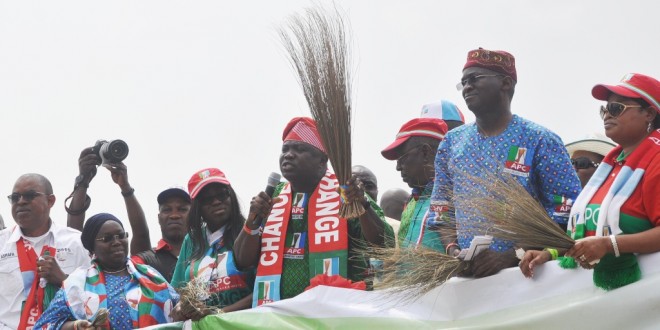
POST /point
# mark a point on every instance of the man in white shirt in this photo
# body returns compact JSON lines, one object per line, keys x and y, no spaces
{"x":35,"y":255}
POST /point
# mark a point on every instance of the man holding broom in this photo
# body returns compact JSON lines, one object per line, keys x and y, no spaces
{"x":296,"y":237}
{"x":497,"y":142}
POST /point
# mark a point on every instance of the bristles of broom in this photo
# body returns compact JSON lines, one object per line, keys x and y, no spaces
{"x":320,"y":54}
{"x":192,"y":299}
{"x":513,"y":214}
{"x":415,"y":271}
{"x":101,"y":318}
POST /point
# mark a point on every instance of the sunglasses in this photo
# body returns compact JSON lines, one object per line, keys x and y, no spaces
{"x":221,"y":196}
{"x":27,"y":196}
{"x":473,"y":80}
{"x":109,"y":238}
{"x":405,"y":155}
{"x":615,"y":109}
{"x":583,"y":163}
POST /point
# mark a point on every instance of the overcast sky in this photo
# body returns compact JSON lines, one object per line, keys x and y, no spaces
{"x":195,"y":84}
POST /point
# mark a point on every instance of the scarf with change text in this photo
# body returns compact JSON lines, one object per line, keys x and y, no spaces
{"x":328,"y":239}
{"x":39,"y":292}
{"x":148,"y":294}
{"x":612,"y":272}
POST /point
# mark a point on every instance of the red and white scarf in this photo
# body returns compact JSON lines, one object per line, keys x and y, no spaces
{"x":27,"y":261}
{"x":328,"y":239}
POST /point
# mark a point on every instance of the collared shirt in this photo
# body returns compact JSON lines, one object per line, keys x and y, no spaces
{"x":161,"y":258}
{"x":70,"y":254}
{"x":163,"y":245}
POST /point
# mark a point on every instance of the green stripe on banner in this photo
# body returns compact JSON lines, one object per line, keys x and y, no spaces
{"x":166,"y":326}
{"x":251,"y":321}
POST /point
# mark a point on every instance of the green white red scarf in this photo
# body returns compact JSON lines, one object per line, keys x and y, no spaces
{"x":612,"y":272}
{"x":328,"y":239}
{"x":148,"y":294}
{"x":37,"y":297}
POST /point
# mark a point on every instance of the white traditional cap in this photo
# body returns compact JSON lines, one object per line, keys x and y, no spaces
{"x":593,"y":142}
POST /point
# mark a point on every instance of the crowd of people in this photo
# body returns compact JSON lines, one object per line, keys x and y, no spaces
{"x":603,"y":190}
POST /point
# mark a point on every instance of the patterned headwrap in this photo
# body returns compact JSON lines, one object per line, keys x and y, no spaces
{"x":92,"y":227}
{"x":495,"y":60}
{"x":303,"y":129}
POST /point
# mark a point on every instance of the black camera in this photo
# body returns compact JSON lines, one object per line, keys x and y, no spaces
{"x":111,"y":152}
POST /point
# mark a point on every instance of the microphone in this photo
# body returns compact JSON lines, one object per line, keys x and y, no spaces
{"x":273,"y":181}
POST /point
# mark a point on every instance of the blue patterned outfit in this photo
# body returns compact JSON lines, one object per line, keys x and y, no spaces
{"x":534,"y":155}
{"x":58,"y":313}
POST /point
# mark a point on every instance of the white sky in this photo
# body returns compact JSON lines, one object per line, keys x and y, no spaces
{"x":195,"y":84}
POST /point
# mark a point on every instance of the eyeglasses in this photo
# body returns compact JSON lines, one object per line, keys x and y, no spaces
{"x":473,"y":80}
{"x":405,"y":155}
{"x":221,"y":196}
{"x":109,"y":238}
{"x":583,"y":163}
{"x":27,"y":196}
{"x":615,"y":109}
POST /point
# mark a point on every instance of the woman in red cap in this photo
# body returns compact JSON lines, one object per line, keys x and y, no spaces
{"x":214,"y":222}
{"x":617,"y":214}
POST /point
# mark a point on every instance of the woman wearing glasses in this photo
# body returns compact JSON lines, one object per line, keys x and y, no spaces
{"x":587,"y":153}
{"x":214,"y":222}
{"x":136,"y":295}
{"x":618,"y":211}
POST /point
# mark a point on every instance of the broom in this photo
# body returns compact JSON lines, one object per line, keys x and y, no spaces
{"x":513,"y":213}
{"x":414,"y":271}
{"x":192,"y":299}
{"x":101,"y":318}
{"x":316,"y":43}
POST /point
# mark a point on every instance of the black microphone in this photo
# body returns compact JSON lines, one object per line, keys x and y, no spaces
{"x":273,"y":181}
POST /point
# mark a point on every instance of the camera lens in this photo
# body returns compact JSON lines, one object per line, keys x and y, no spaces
{"x":115,"y":151}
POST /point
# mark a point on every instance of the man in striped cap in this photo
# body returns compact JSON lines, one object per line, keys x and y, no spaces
{"x":414,"y":151}
{"x":296,"y":237}
{"x":498,"y":142}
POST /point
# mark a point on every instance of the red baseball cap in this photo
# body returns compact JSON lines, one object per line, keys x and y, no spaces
{"x":204,"y":177}
{"x":429,"y":127}
{"x":632,"y":85}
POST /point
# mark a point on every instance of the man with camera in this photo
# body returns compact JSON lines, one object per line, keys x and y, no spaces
{"x":35,"y":255}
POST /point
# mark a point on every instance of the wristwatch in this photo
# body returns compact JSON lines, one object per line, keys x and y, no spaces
{"x":80,"y":182}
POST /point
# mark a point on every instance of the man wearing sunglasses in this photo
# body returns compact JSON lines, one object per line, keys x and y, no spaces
{"x":414,"y":151}
{"x":587,"y":153}
{"x":35,"y":255}
{"x":499,"y":141}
